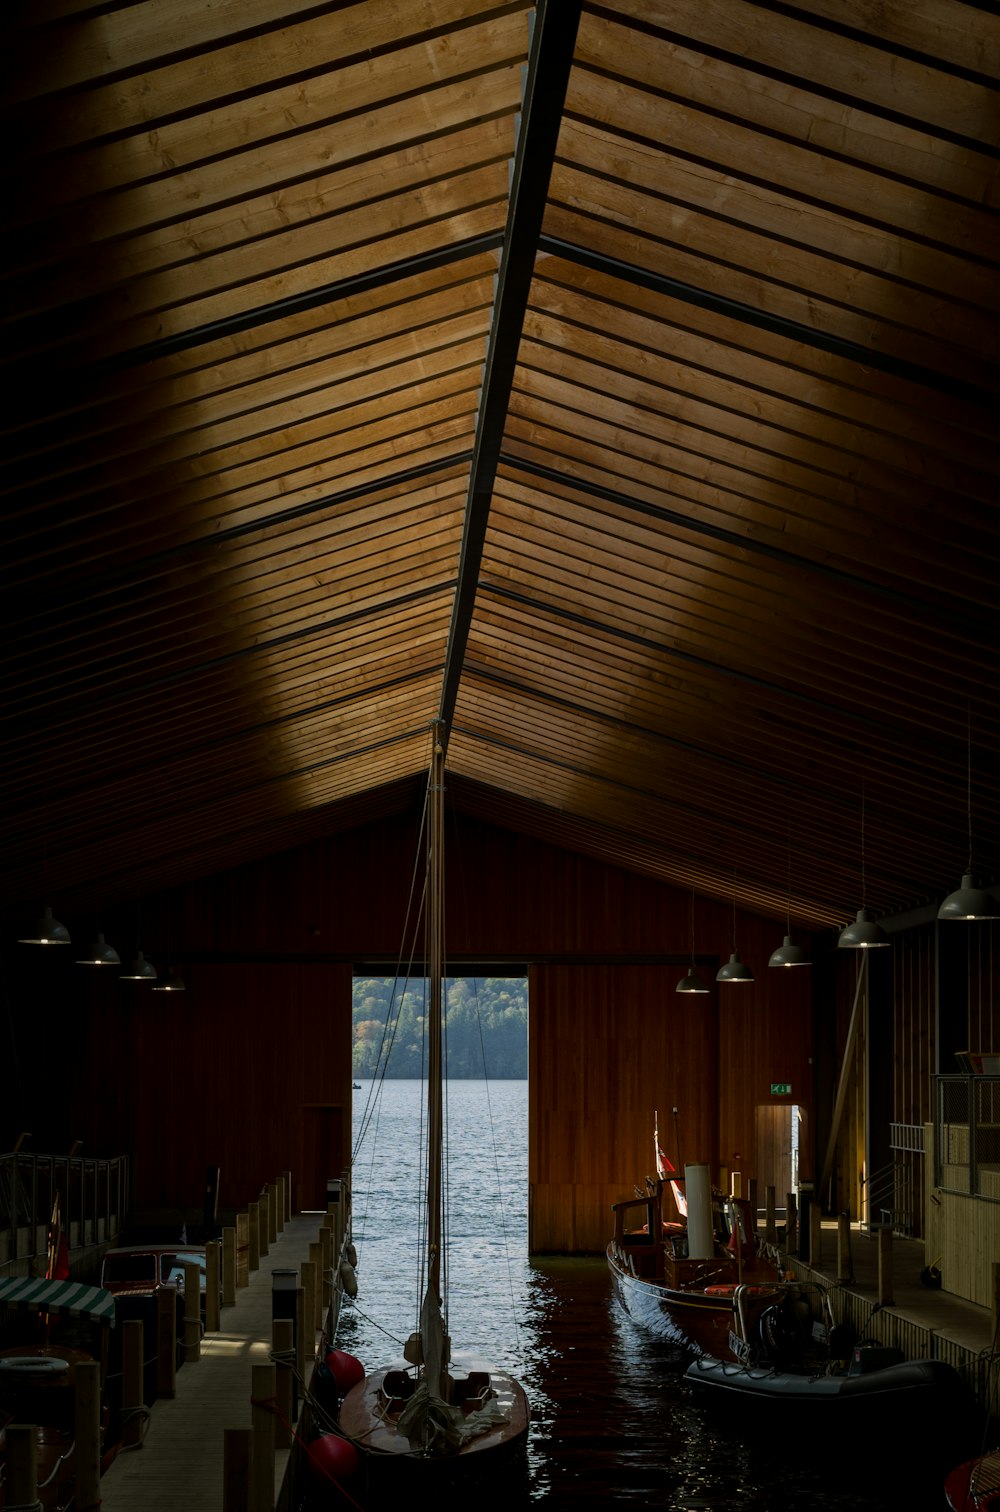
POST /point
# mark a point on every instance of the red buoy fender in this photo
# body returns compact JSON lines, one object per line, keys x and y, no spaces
{"x":345,"y":1369}
{"x":332,"y":1458}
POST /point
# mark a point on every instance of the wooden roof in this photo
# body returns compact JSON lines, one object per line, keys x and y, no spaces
{"x":617,"y":382}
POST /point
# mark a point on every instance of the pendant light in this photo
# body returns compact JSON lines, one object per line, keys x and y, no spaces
{"x":734,"y":970}
{"x":788,"y":954}
{"x":866,"y":933}
{"x":140,"y":970}
{"x":692,"y":982}
{"x":100,"y":954}
{"x":970,"y":901}
{"x":47,"y":931}
{"x":172,"y":982}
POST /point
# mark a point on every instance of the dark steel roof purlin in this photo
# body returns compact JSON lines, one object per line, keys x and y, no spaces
{"x":294,"y":304}
{"x":765,"y":320}
{"x":550,"y":58}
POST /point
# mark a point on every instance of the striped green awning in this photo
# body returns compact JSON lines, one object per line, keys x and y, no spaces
{"x":58,"y":1296}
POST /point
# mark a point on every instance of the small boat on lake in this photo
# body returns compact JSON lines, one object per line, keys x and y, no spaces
{"x":435,"y":1421}
{"x":679,"y":1276}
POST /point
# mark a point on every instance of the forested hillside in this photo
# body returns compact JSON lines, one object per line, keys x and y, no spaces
{"x":486,"y":1027}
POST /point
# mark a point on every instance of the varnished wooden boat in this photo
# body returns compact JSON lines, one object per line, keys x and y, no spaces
{"x":689,"y":1301}
{"x":487,"y":1407}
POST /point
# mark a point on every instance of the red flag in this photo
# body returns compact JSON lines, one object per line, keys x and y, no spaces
{"x":665,"y":1169}
{"x":663,"y":1166}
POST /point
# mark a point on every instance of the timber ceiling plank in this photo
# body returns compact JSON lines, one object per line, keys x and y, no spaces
{"x":636,"y":411}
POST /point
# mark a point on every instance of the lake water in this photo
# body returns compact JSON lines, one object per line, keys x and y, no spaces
{"x":612,"y":1419}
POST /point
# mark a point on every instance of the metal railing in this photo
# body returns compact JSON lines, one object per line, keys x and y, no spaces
{"x":967,"y":1135}
{"x":93,"y":1199}
{"x":908,"y":1137}
{"x":887,"y":1200}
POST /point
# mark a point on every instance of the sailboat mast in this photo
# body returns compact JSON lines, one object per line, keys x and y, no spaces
{"x":435,"y":952}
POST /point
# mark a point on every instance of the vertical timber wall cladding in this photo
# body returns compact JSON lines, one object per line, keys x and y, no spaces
{"x":612,"y":1045}
{"x":248,"y":1068}
{"x":238,"y":1071}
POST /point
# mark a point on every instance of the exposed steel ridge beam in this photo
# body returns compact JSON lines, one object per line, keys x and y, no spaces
{"x":954,"y":620}
{"x":295,"y":304}
{"x":549,"y":63}
{"x":764,"y":320}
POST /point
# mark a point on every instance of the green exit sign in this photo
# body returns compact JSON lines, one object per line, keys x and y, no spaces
{"x":781,"y":1089}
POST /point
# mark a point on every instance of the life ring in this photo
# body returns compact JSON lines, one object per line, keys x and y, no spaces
{"x":348,"y":1279}
{"x":37,"y":1365}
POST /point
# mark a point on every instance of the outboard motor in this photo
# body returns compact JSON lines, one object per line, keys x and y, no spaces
{"x":781,"y":1336}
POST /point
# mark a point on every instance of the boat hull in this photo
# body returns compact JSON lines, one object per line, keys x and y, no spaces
{"x":694,"y":1320}
{"x":975,"y":1486}
{"x":390,"y":1460}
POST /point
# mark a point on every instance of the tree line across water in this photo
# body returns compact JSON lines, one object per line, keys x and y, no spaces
{"x":485,"y":1027}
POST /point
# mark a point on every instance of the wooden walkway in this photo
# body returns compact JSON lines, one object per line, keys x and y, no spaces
{"x":180,"y":1463}
{"x":923,"y":1322}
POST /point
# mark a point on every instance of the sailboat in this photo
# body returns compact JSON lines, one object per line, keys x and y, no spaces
{"x":435,"y":1418}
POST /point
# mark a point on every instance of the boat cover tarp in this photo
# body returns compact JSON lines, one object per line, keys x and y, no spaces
{"x":427,"y":1420}
{"x":58,"y":1296}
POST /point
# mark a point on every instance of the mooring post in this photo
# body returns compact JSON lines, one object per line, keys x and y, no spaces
{"x":22,"y":1465}
{"x":87,"y":1422}
{"x":885,"y":1266}
{"x":253,"y":1236}
{"x":166,"y":1342}
{"x":262,"y":1422}
{"x":229,"y":1267}
{"x":283,"y":1345}
{"x":326,"y":1262}
{"x":213,"y":1319}
{"x":132,"y":1372}
{"x":316,"y":1260}
{"x":242,"y":1249}
{"x":192,"y":1312}
{"x":236,"y":1469}
{"x":307,"y":1272}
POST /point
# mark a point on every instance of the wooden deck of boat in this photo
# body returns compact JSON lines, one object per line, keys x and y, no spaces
{"x":180,"y":1464}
